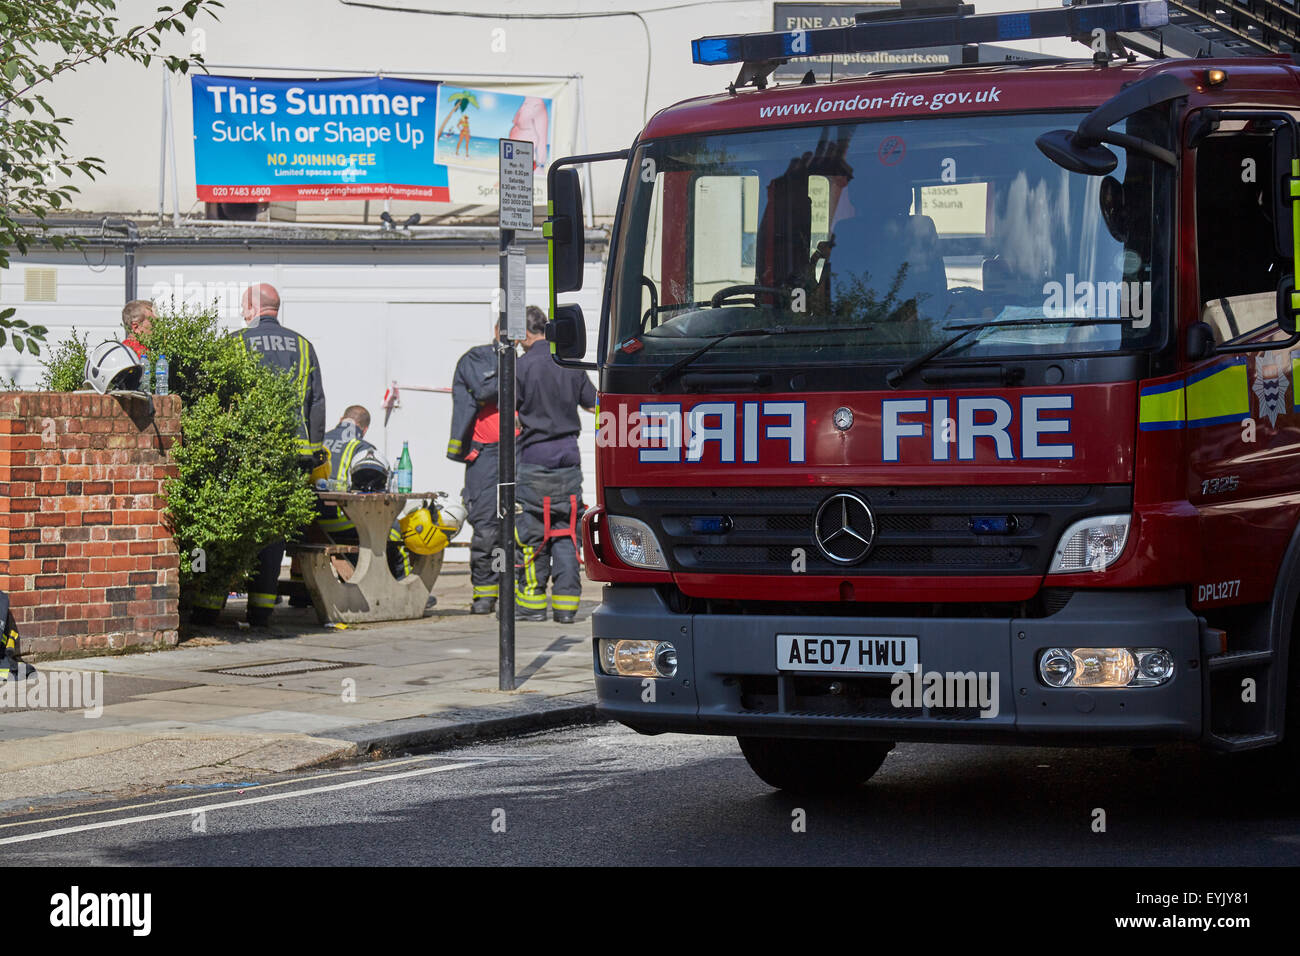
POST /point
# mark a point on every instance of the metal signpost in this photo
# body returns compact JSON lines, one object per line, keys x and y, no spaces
{"x":515,"y":167}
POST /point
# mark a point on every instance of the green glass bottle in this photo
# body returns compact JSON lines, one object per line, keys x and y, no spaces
{"x":404,"y":470}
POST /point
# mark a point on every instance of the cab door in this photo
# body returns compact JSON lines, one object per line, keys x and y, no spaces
{"x":1243,"y":430}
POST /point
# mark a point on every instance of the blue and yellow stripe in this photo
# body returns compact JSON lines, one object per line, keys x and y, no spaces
{"x":1216,"y":395}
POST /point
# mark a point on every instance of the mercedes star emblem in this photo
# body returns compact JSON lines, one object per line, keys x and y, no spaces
{"x":843,"y":418}
{"x":844,"y":528}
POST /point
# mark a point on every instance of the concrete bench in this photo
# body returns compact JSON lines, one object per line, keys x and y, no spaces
{"x":371,"y":593}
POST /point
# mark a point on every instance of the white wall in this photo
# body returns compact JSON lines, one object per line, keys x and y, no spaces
{"x":373,"y":319}
{"x":116,"y":107}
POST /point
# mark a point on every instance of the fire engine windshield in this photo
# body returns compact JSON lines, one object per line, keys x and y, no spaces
{"x":881,"y":239}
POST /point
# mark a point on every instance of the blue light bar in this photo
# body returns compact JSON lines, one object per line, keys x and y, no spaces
{"x":1077,"y":21}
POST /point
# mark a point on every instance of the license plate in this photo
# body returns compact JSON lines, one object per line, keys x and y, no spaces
{"x":833,"y":652}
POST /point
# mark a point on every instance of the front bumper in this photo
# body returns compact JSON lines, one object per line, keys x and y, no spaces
{"x":727,"y":681}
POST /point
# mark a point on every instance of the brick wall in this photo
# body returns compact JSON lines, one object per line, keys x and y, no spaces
{"x":84,"y":556}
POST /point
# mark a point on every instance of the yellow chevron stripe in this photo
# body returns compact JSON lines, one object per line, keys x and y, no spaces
{"x":1220,"y":397}
{"x":1162,"y":408}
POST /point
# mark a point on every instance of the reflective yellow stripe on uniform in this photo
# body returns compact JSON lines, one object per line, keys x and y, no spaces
{"x":301,"y":382}
{"x":303,"y":371}
{"x":531,"y":598}
{"x":396,"y":536}
{"x":564,"y":602}
{"x":210,"y":602}
{"x":340,"y":521}
{"x":487,"y":590}
{"x":530,"y":602}
{"x":1219,"y":394}
{"x":258,"y":599}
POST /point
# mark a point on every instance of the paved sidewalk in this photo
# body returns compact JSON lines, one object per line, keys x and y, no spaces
{"x":232,"y":703}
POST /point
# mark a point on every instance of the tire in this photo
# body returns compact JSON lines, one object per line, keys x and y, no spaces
{"x":813,"y":766}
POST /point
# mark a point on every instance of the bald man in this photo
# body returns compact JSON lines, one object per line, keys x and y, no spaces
{"x":292,"y":354}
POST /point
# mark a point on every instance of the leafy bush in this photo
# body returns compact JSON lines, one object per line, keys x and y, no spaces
{"x":238,"y":485}
{"x":17,"y":332}
{"x":65,"y":369}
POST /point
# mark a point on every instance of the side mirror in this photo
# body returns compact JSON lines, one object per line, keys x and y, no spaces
{"x":1062,"y":147}
{"x":1283,"y":208}
{"x":567,"y":333}
{"x":563,"y":228}
{"x":1081,"y":151}
{"x":1286,"y":222}
{"x":1200,"y":341}
{"x":1288,"y":305}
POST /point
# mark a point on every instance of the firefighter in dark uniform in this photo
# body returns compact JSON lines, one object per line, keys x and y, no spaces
{"x":550,"y":465}
{"x":474,"y":422}
{"x":345,"y":441}
{"x":291,"y":353}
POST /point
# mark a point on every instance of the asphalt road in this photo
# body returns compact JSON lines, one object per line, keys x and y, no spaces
{"x":603,"y":795}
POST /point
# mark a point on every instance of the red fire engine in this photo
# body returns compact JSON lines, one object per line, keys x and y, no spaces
{"x":953,"y":404}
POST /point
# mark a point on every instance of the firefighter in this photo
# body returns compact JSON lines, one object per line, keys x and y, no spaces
{"x":12,"y":666}
{"x":550,"y":466}
{"x":137,"y":320}
{"x":347,"y":446}
{"x":474,"y":423}
{"x":292,"y":354}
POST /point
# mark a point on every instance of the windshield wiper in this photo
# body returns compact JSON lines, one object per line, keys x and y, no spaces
{"x":900,"y":373}
{"x":672,"y":371}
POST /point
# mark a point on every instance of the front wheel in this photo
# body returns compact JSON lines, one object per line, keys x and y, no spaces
{"x":813,"y":766}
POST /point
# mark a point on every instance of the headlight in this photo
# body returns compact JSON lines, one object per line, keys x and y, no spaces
{"x":638,"y":658}
{"x":1092,"y":544}
{"x":635,"y":543}
{"x":1105,"y":666}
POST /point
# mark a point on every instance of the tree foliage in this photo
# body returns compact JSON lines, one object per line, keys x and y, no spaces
{"x":39,"y":41}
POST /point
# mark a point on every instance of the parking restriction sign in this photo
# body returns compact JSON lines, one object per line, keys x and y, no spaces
{"x":516,"y":184}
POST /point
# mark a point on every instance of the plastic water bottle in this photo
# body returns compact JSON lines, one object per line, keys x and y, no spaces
{"x":404,"y":470}
{"x":146,"y":372}
{"x":160,"y":376}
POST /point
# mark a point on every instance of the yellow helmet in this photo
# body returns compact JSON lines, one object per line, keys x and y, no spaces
{"x":421,"y":534}
{"x":424,"y":534}
{"x":324,"y":469}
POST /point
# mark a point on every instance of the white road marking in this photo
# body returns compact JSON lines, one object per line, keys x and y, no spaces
{"x":307,"y":778}
{"x":268,"y":798}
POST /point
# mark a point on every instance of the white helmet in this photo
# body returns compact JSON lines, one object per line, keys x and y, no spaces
{"x":111,"y":365}
{"x":369,"y":471}
{"x":451,"y":518}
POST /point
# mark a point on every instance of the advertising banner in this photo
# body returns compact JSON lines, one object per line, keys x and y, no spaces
{"x":258,"y":140}
{"x":470,"y":124}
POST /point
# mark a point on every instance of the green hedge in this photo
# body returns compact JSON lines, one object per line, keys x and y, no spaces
{"x":238,"y":485}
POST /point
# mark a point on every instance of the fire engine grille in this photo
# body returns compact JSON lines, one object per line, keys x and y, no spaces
{"x":837,"y":696}
{"x":919,"y":530}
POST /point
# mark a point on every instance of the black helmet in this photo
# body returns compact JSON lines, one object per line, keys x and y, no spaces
{"x":369,"y":471}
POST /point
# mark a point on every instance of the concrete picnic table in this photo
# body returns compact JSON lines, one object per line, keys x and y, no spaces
{"x":371,"y":593}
